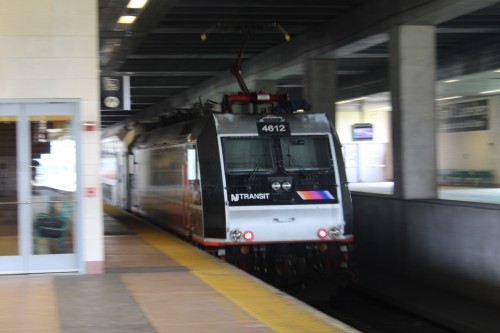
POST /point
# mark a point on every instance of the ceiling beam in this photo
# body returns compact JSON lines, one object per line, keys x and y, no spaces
{"x":467,"y":30}
{"x":188,"y":56}
{"x":159,"y":87}
{"x":168,"y":73}
{"x":264,"y":4}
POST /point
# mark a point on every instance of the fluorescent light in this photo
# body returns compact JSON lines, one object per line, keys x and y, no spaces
{"x":387,"y":108}
{"x":497,"y":71}
{"x":490,"y":91}
{"x":136,"y":3}
{"x":350,"y":100}
{"x":447,"y":98}
{"x":451,"y":81}
{"x":127,"y":19}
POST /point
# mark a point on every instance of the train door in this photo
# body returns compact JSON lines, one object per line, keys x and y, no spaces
{"x":37,"y":187}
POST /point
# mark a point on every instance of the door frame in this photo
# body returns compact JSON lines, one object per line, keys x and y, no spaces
{"x":26,"y":261}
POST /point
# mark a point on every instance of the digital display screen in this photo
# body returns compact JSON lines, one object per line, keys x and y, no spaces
{"x":362,"y":132}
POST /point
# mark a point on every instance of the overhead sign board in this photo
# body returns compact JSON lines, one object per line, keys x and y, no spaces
{"x":463,"y":117}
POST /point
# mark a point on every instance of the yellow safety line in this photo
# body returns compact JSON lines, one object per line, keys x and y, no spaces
{"x":282,"y":314}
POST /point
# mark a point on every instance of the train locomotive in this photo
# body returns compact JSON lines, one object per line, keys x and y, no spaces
{"x":259,"y":189}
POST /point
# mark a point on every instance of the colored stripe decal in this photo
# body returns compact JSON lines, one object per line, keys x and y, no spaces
{"x":315,"y":195}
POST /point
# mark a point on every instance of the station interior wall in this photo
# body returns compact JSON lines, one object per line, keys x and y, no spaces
{"x":366,"y":161}
{"x":475,"y":149}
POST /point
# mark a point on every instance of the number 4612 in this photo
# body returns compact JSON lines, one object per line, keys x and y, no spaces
{"x":274,"y":128}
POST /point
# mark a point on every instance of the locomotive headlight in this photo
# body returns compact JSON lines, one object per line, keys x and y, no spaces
{"x":235,"y":235}
{"x":335,"y":231}
{"x":286,"y":185}
{"x":276,"y":186}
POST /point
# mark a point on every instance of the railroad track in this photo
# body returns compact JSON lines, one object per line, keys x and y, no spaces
{"x":362,"y":311}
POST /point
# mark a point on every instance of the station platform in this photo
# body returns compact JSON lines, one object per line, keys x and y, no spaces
{"x":153,"y":282}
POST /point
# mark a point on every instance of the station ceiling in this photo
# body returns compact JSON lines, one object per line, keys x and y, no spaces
{"x":175,"y":49}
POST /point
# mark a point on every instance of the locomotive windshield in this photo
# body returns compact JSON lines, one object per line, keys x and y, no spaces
{"x":306,"y":154}
{"x":248,"y":155}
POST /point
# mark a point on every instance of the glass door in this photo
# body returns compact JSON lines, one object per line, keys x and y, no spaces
{"x":38,"y":187}
{"x":9,"y":204}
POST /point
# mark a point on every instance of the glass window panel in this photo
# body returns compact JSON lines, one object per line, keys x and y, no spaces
{"x":53,"y":183}
{"x":246,"y":155}
{"x":306,"y":154}
{"x":9,"y":237}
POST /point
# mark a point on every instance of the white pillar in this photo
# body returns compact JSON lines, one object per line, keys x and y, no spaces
{"x":320,"y":86}
{"x":412,"y":76}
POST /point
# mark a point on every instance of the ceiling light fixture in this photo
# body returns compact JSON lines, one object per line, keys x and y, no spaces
{"x":351,"y":100}
{"x":127,"y":19}
{"x":451,"y":81}
{"x":137,"y":3}
{"x":387,"y":108}
{"x":497,"y":71}
{"x":490,"y":91}
{"x":448,"y":98}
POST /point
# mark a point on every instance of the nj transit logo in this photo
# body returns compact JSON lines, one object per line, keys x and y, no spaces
{"x":249,"y":196}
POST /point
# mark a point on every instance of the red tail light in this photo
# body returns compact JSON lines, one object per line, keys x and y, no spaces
{"x":322,"y":233}
{"x":248,"y":235}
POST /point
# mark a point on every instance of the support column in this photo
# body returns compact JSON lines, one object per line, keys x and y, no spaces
{"x":320,"y":83}
{"x":413,"y":74}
